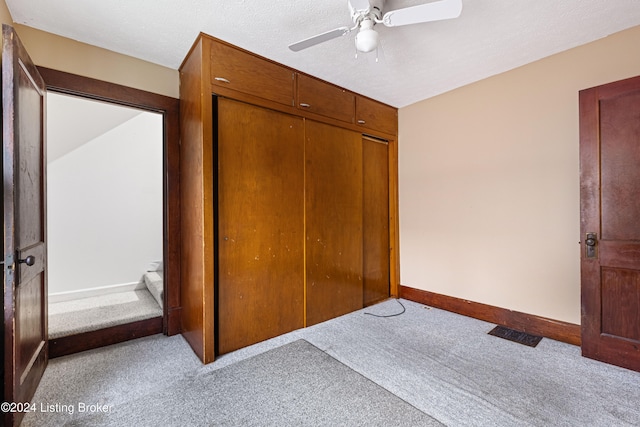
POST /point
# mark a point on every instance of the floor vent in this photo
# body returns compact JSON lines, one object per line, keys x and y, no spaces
{"x":515,"y":336}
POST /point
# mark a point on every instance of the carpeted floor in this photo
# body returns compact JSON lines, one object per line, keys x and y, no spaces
{"x":443,"y":364}
{"x":90,"y":314}
{"x":293,"y":385}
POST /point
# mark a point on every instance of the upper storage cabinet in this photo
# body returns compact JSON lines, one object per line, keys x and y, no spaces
{"x":376,"y":116}
{"x":323,"y":98}
{"x":235,"y":69}
{"x":238,"y":74}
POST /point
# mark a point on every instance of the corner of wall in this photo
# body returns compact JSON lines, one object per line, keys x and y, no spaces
{"x":489,"y":182}
{"x":63,"y":54}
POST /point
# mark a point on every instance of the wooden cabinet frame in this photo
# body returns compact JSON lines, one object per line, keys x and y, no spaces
{"x":197,"y":187}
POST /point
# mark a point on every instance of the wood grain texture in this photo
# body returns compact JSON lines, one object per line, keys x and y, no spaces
{"x":375,"y":223}
{"x":621,"y":303}
{"x":620,"y":254}
{"x":263,"y":76}
{"x":227,"y":92}
{"x":333,"y":216}
{"x":619,"y":173}
{"x":319,"y":97}
{"x":30,"y":225}
{"x":25,"y":347}
{"x":64,"y":346}
{"x":610,"y":183}
{"x":198,"y":82}
{"x":86,"y":87}
{"x":374,"y":115}
{"x":30,"y":220}
{"x":245,"y":72}
{"x":261,"y":224}
{"x":531,"y":324}
{"x":196,"y":202}
{"x":394,"y":220}
{"x":589,"y":217}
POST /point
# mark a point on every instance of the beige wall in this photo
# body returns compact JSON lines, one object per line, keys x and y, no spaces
{"x":60,"y":53}
{"x":64,"y":54}
{"x":489,"y":182}
{"x":5,"y":16}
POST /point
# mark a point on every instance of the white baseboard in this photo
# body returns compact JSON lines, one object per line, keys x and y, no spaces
{"x":95,"y":292}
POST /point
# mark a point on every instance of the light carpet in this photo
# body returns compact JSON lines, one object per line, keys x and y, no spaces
{"x":94,"y":313}
{"x":293,"y":385}
{"x":441,"y":363}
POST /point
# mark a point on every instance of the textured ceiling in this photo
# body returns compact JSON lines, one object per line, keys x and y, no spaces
{"x":415,"y":62}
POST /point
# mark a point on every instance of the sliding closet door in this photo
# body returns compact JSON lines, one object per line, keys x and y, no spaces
{"x":260,"y":224}
{"x":333,"y":174}
{"x":375,"y":169}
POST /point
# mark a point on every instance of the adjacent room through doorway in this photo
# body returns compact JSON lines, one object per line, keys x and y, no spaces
{"x":105,"y":214}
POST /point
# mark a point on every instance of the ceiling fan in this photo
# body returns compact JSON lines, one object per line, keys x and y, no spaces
{"x":365,"y":14}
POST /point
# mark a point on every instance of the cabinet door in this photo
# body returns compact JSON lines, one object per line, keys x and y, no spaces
{"x":323,"y":98}
{"x":333,"y":175}
{"x":260,"y":224}
{"x":376,"y":116}
{"x":241,"y":71}
{"x":375,"y":169}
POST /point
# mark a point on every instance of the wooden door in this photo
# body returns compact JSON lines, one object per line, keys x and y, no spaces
{"x":610,"y":222}
{"x":375,"y":187}
{"x":24,"y":213}
{"x":260,"y":224}
{"x":333,"y":212}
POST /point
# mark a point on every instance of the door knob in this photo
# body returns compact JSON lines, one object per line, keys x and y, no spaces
{"x":590,"y":243}
{"x":30,"y":260}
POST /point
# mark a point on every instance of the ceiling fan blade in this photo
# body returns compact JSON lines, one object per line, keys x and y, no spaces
{"x":360,"y":5}
{"x":435,"y":11}
{"x":317,"y":39}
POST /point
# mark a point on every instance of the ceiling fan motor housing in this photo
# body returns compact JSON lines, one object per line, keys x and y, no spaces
{"x":365,"y":14}
{"x":367,"y":38}
{"x":374,"y":11}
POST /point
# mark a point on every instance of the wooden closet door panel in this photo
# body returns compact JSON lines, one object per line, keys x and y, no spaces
{"x":333,"y":211}
{"x":375,"y":165}
{"x":260,"y":224}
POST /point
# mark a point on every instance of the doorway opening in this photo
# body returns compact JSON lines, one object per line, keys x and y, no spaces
{"x":166,"y":265}
{"x":104,"y":215}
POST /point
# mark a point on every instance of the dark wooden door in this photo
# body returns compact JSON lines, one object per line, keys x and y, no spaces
{"x":24,"y":213}
{"x":260,"y":224}
{"x":610,"y":222}
{"x":333,"y":211}
{"x":375,"y":223}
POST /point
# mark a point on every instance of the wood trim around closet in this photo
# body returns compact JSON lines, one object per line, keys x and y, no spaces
{"x":72,"y":84}
{"x":394,"y":221}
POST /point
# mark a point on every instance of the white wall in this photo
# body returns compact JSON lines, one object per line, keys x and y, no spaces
{"x":489,"y":182}
{"x":105,"y":208}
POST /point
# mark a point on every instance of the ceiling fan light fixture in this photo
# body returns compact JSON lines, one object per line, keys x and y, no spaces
{"x":367,"y":13}
{"x":367,"y":37}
